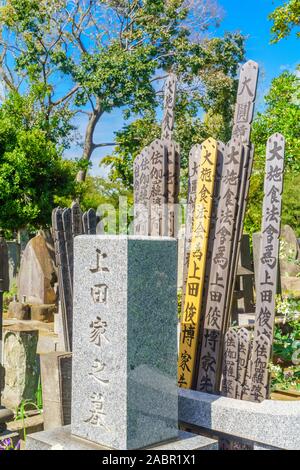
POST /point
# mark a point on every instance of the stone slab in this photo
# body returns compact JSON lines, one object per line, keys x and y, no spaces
{"x":56,"y":375}
{"x":19,"y":311}
{"x":62,"y":439}
{"x":270,"y":423}
{"x":5,"y":415}
{"x":43,"y":313}
{"x":124,"y":392}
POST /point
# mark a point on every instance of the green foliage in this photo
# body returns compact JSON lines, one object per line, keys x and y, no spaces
{"x":285,"y":18}
{"x":32,"y":171}
{"x":285,"y":379}
{"x":8,"y":296}
{"x":22,"y":412}
{"x":282,"y":114}
{"x":215,"y":68}
{"x":109,"y":55}
{"x":285,"y":368}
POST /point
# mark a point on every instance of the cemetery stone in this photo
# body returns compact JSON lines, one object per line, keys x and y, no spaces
{"x":21,"y":365}
{"x":124,"y":352}
{"x":37,"y":274}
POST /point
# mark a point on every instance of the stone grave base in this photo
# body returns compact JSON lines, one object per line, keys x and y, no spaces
{"x":61,"y":439}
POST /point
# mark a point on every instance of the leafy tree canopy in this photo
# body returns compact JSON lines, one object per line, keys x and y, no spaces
{"x":285,"y":18}
{"x":91,"y":56}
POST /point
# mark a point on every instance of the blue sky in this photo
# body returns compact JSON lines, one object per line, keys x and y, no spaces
{"x":250,"y":17}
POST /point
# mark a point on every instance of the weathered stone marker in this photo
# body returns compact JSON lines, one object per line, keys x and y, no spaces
{"x":125,"y":340}
{"x":268,"y":267}
{"x":196,"y":271}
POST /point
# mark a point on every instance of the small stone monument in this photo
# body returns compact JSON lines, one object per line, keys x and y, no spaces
{"x":124,"y":366}
{"x":124,"y":350}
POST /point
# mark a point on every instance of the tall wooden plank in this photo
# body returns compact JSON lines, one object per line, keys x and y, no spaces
{"x":238,"y":228}
{"x":196,"y":272}
{"x":230,"y":364}
{"x":77,"y":228}
{"x":259,"y":389}
{"x":63,"y":274}
{"x":214,"y":313}
{"x":268,"y":264}
{"x":247,"y":382}
{"x":173,"y":185}
{"x":91,"y":222}
{"x":158,"y":188}
{"x":84,"y":223}
{"x":194,"y":163}
{"x":244,"y":343}
{"x":141,"y":184}
{"x":169,"y":107}
{"x":68,"y":239}
{"x":211,"y":240}
{"x":243,"y":117}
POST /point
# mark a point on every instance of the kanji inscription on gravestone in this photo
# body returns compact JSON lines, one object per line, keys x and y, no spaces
{"x":123,"y":395}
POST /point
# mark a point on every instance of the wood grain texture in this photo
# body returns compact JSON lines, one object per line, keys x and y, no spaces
{"x":268,"y":262}
{"x":158,"y":188}
{"x":196,"y":271}
{"x":214,"y":313}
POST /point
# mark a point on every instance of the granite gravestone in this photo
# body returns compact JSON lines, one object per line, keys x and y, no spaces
{"x":124,"y":345}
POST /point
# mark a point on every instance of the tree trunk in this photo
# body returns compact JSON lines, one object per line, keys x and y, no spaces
{"x":89,"y":145}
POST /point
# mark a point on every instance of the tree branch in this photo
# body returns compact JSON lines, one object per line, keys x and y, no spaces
{"x":107,"y":144}
{"x":68,"y":95}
